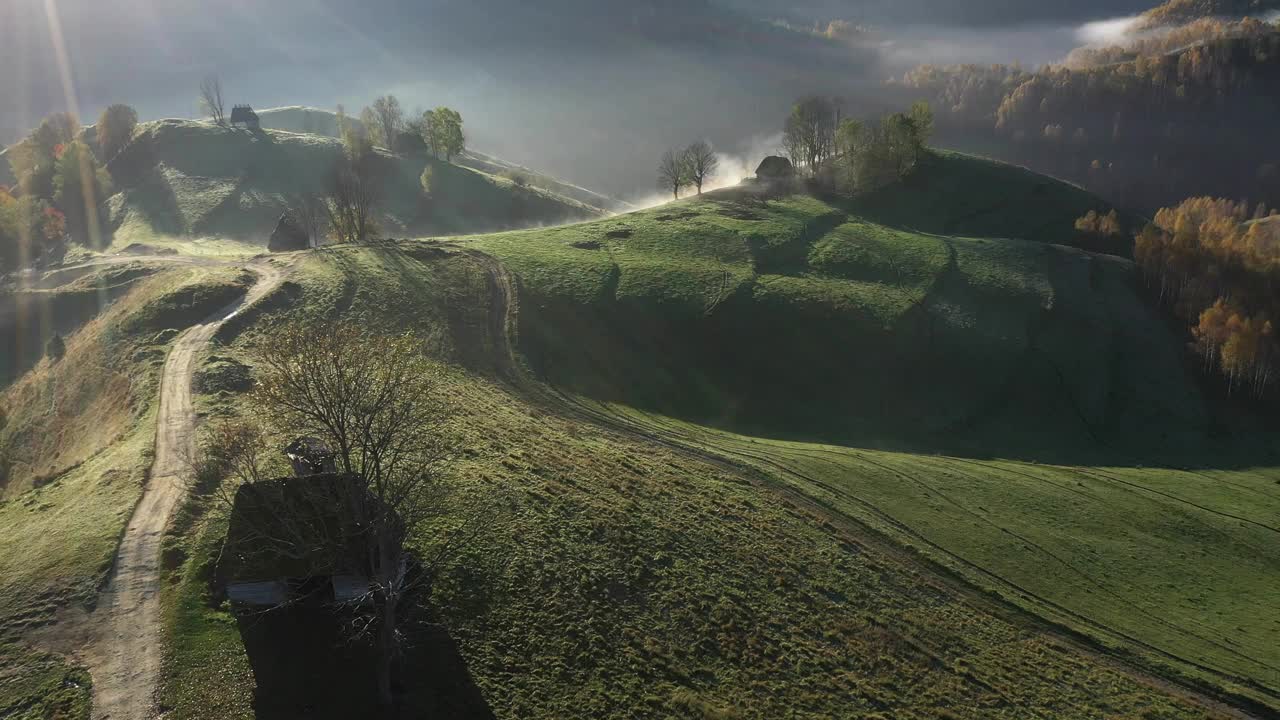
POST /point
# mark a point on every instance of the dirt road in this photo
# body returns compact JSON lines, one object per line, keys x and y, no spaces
{"x":124,"y":657}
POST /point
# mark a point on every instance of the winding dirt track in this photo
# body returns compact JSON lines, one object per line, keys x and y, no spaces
{"x":125,"y":654}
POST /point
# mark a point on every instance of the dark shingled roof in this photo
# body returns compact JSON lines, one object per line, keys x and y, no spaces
{"x":243,"y":114}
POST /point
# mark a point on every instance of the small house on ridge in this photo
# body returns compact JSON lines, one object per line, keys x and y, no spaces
{"x":244,"y":115}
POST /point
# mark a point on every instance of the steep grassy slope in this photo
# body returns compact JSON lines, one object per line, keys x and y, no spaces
{"x":30,"y":315}
{"x":633,"y":581}
{"x":63,"y":412}
{"x":76,"y":446}
{"x":184,"y":178}
{"x":976,"y":359}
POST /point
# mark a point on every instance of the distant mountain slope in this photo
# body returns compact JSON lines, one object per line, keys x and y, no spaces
{"x":1142,"y":131}
{"x":186,"y":178}
{"x":1175,"y":12}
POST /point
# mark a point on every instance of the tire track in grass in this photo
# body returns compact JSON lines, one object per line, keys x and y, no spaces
{"x":755,"y":466}
{"x":999,"y":580}
{"x":1176,"y":628}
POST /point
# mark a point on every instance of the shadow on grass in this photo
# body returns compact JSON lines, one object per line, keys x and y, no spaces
{"x":304,"y":666}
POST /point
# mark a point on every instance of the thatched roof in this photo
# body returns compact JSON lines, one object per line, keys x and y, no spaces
{"x":775,"y":167}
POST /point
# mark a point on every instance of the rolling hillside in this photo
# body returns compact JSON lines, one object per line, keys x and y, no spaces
{"x":637,"y":580}
{"x":913,"y":456}
{"x":937,"y":366}
{"x":945,"y":314}
{"x":313,"y":121}
{"x":76,"y":438}
{"x":181,"y":178}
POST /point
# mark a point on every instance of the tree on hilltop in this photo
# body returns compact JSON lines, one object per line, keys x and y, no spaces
{"x":809,"y":134}
{"x":34,"y":160}
{"x":115,"y":130}
{"x":442,"y":132}
{"x":80,"y":188}
{"x":921,"y":116}
{"x":384,"y":121}
{"x":672,"y":173}
{"x":700,"y":162}
{"x":355,"y":138}
{"x":211,"y":99}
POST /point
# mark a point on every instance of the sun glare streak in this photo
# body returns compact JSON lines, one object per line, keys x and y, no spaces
{"x":62,"y":58}
{"x":88,"y":185}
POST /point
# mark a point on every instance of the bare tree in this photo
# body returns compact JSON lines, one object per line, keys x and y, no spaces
{"x":809,"y":135}
{"x":211,"y":99}
{"x":700,"y":162}
{"x":384,"y":121}
{"x":672,"y":174}
{"x":309,"y":213}
{"x":385,"y":410}
{"x":353,"y":200}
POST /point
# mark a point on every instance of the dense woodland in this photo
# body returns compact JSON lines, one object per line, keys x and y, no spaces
{"x":1216,"y":262}
{"x":1187,"y":112}
{"x":1181,"y":11}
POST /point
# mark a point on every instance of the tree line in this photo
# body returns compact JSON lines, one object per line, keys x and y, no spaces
{"x":839,"y":154}
{"x":1146,"y":124}
{"x":347,"y":210}
{"x":1216,"y":262}
{"x":851,"y":155}
{"x":437,"y":131}
{"x":60,"y":185}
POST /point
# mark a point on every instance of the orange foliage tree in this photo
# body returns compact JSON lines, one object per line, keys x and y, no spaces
{"x":1218,"y":264}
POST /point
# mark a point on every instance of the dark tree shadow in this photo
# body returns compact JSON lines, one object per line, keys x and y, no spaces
{"x":305,"y":667}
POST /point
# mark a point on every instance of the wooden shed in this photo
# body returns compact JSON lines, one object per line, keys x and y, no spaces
{"x":245,"y":116}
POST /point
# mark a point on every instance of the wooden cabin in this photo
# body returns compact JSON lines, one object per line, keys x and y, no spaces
{"x":775,"y":168}
{"x":243,"y":115}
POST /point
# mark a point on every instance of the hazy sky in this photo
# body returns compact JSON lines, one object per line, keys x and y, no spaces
{"x":589,"y":90}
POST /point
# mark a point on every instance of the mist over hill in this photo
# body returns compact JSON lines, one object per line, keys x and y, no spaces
{"x":590,"y":92}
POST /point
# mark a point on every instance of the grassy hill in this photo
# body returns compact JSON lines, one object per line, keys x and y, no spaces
{"x":1174,"y":12}
{"x":313,"y":121}
{"x":770,"y":456}
{"x":941,"y":314}
{"x":182,"y":178}
{"x":634,"y":580}
{"x":75,"y":447}
{"x":1009,"y":406}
